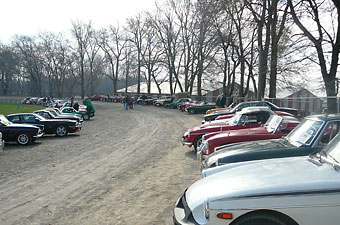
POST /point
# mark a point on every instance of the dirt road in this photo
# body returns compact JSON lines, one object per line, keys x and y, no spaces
{"x":123,"y":167}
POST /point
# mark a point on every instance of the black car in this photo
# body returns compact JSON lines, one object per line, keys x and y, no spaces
{"x":242,"y":105}
{"x":50,"y":114}
{"x":23,"y":134}
{"x":313,"y":133}
{"x":60,"y":127}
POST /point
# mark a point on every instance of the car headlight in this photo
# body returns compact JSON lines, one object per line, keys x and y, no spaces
{"x":206,"y":209}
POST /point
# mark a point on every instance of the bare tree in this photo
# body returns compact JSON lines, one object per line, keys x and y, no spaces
{"x":31,"y":60}
{"x":113,"y":42}
{"x":82,"y":33}
{"x":8,"y":67}
{"x":326,"y":44}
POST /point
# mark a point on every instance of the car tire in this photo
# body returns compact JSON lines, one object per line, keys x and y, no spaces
{"x":260,"y":219}
{"x":61,"y":131}
{"x":192,"y":111}
{"x":171,"y":106}
{"x":23,"y":138}
{"x":197,"y":142}
{"x":86,"y":116}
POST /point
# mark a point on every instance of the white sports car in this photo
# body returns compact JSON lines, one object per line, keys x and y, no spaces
{"x":282,"y":191}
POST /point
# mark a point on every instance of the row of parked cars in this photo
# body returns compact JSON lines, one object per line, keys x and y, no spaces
{"x":25,"y":128}
{"x":262,"y":166}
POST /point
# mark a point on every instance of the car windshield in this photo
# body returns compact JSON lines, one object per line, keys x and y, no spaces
{"x":57,"y":111}
{"x":39,"y":117}
{"x":305,"y":132}
{"x":53,"y":113}
{"x":333,"y":148}
{"x":3,"y":120}
{"x":273,"y":123}
{"x":235,"y":119}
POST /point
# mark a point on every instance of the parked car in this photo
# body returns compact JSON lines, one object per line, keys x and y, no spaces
{"x":97,"y":97}
{"x":47,"y":114}
{"x":2,"y":143}
{"x":185,"y":105}
{"x":25,"y":100}
{"x":51,"y":126}
{"x":242,"y":105}
{"x":274,"y":128}
{"x":163,"y":100}
{"x":70,"y":110}
{"x":283,"y":191}
{"x":23,"y":134}
{"x":173,"y":105}
{"x":245,"y":119}
{"x":309,"y":137}
{"x":148,"y":100}
{"x":201,"y":108}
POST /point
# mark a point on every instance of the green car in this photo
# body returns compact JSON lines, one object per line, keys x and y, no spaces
{"x":202,"y":108}
{"x":174,"y":105}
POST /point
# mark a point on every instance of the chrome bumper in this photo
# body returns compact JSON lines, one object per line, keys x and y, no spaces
{"x":2,"y":144}
{"x":185,"y":143}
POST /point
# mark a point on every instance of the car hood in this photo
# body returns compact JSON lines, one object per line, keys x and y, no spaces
{"x":252,"y":146}
{"x":273,"y":177}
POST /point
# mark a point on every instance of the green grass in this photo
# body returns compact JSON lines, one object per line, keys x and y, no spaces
{"x":10,"y":108}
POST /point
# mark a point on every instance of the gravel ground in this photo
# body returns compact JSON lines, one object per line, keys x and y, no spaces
{"x":123,"y":167}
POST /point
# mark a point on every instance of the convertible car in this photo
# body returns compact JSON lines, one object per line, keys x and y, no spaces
{"x":242,"y":105}
{"x":247,"y":118}
{"x":49,"y":114}
{"x":23,"y":134}
{"x":201,"y":108}
{"x":173,"y":105}
{"x":307,"y":138}
{"x":274,"y":128}
{"x":51,"y":126}
{"x":281,"y":191}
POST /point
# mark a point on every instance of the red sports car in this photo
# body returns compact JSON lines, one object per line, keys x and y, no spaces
{"x":274,"y":128}
{"x":248,"y":118}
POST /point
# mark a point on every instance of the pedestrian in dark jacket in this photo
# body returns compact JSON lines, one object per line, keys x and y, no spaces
{"x":126,"y":102}
{"x":131,"y":102}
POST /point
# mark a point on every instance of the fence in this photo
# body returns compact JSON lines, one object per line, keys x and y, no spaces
{"x":13,"y":100}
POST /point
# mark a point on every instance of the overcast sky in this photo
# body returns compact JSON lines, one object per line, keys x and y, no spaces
{"x":29,"y":17}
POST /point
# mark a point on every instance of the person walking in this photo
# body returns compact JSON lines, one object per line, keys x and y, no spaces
{"x":131,"y":102}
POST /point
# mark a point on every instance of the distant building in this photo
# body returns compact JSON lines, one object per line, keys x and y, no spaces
{"x":303,"y":100}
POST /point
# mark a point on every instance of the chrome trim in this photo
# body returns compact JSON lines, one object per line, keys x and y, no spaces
{"x":280,"y":207}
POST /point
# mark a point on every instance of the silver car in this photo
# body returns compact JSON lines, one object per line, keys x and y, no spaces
{"x":283,"y":191}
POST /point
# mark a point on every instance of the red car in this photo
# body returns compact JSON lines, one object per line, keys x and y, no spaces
{"x":96,"y":97}
{"x":247,"y":118}
{"x":185,"y":105}
{"x":274,"y":128}
{"x":280,"y":113}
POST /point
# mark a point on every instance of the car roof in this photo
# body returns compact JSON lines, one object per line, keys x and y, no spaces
{"x":254,"y":109}
{"x":324,"y":117}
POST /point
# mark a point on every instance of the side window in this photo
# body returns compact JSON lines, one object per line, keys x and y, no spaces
{"x":14,"y":119}
{"x":331,"y":130}
{"x":29,"y":118}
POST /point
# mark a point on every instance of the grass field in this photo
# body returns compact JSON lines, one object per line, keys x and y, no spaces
{"x":9,"y":108}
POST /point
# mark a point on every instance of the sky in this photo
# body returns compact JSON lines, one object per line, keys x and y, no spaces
{"x":30,"y":17}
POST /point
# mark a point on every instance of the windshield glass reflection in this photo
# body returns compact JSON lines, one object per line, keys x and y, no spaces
{"x":305,"y":132}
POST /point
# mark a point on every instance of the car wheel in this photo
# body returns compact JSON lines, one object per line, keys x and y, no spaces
{"x":197,"y":142}
{"x":260,"y":219}
{"x":171,"y":106}
{"x":86,"y":116}
{"x":23,"y":138}
{"x":61,"y":131}
{"x":192,"y":111}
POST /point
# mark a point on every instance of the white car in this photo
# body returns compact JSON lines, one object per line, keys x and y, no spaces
{"x":283,"y":191}
{"x":2,"y":143}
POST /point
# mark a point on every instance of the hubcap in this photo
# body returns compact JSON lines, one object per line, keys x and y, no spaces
{"x":23,"y":139}
{"x":61,"y":131}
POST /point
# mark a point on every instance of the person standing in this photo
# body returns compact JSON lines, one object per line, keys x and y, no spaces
{"x":126,"y":102}
{"x":223,"y":101}
{"x":131,"y":102}
{"x":72,"y":100}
